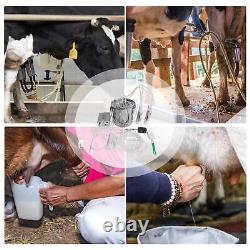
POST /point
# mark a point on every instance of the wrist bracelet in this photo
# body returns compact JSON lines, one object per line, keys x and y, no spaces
{"x":176,"y":193}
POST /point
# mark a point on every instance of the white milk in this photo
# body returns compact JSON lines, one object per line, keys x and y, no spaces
{"x":27,"y":199}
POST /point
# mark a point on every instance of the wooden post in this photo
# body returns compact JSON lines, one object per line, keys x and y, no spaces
{"x":195,"y":71}
{"x":185,"y":62}
{"x":163,"y":71}
{"x":191,"y":66}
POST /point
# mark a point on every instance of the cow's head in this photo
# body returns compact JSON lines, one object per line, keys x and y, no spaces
{"x":99,"y":50}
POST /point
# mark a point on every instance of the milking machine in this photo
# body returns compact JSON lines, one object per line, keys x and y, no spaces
{"x":30,"y":88}
{"x":198,"y":27}
{"x":230,"y":68}
{"x":130,"y":133}
{"x":236,"y":47}
{"x":124,"y":112}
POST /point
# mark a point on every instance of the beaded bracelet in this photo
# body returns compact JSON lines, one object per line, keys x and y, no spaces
{"x":176,"y":193}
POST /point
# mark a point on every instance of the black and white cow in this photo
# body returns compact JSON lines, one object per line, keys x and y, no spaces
{"x":96,"y":43}
{"x":168,"y":22}
{"x":154,"y":23}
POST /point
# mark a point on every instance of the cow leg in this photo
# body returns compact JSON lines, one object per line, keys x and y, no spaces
{"x":10,"y":76}
{"x":206,"y":82}
{"x":201,"y":201}
{"x":18,"y":100}
{"x":230,"y":55}
{"x":184,"y":62}
{"x":219,"y":193}
{"x":223,"y":97}
{"x":147,"y":61}
{"x":224,"y":72}
{"x":176,"y":62}
{"x":216,"y":20}
{"x":146,"y":56}
{"x":240,"y":101}
{"x":9,"y":209}
{"x":7,"y":108}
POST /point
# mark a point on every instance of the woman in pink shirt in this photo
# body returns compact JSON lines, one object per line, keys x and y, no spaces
{"x":103,"y":186}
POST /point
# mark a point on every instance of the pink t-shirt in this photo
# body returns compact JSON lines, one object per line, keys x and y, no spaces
{"x":98,"y":159}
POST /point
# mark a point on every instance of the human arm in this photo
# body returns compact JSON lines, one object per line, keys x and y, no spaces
{"x":155,"y":187}
{"x":107,"y":186}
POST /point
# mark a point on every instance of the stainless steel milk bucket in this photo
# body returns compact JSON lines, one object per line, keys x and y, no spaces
{"x":122,"y":111}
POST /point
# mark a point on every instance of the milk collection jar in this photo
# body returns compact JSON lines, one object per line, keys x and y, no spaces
{"x":27,"y":199}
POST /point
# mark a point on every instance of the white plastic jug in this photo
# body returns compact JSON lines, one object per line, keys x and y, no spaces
{"x":27,"y":199}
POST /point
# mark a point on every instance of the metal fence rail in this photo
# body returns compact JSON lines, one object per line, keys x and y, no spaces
{"x":59,"y":18}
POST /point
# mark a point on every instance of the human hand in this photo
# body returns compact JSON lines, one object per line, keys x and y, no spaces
{"x":191,"y":179}
{"x":53,"y":195}
{"x":81,"y":169}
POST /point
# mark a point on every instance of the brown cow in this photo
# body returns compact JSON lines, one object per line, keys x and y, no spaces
{"x":229,"y":23}
{"x":29,"y":149}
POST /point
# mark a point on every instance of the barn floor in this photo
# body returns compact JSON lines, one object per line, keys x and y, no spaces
{"x":202,"y":105}
{"x":55,"y":226}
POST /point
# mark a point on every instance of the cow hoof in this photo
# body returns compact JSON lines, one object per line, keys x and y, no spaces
{"x":240,"y":101}
{"x":185,"y":102}
{"x":223,"y":100}
{"x":24,"y":113}
{"x":205,"y":83}
{"x":9,"y":119}
{"x":216,"y":204}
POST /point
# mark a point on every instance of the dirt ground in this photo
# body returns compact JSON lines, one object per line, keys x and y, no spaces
{"x":202,"y":105}
{"x":58,"y":227}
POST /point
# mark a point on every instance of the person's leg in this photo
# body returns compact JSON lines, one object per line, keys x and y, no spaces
{"x":96,"y":218}
{"x":9,"y":205}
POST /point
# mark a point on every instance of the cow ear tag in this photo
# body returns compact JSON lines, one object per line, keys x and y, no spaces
{"x":73,"y":53}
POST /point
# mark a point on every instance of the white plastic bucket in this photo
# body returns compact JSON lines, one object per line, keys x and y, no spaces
{"x":185,"y":235}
